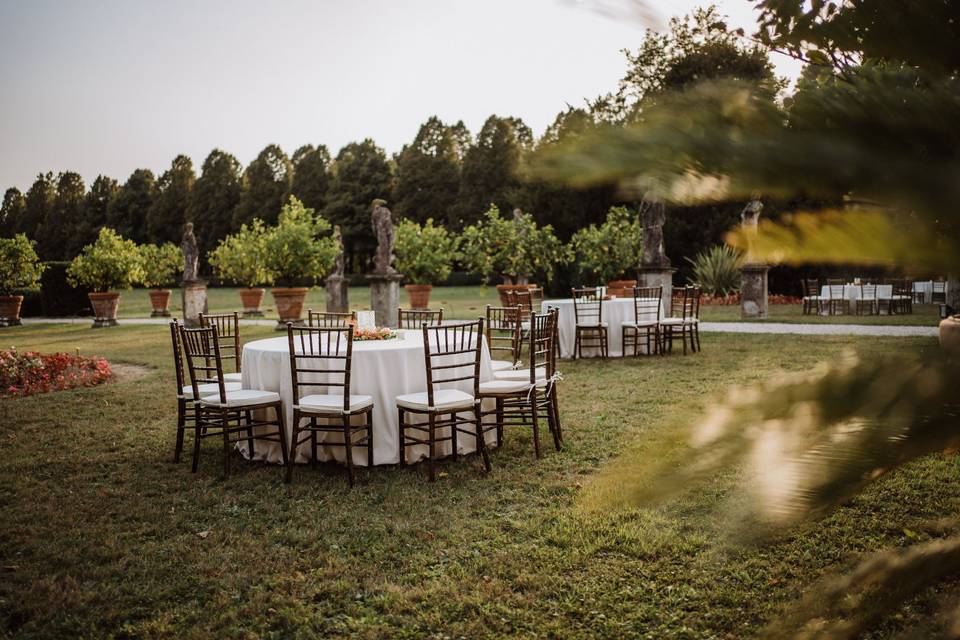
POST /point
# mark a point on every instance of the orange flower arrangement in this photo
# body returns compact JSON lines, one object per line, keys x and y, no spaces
{"x":373,"y":334}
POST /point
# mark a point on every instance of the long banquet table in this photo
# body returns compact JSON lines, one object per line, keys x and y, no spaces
{"x":614,"y":312}
{"x":383,"y":369}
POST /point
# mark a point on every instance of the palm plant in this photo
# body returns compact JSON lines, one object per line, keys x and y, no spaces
{"x":717,"y":270}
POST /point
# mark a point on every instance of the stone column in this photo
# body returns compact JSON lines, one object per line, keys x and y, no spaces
{"x":653,"y":276}
{"x":194,"y":301}
{"x":753,"y":291}
{"x":337,"y":294}
{"x":385,"y":297}
{"x":654,"y":269}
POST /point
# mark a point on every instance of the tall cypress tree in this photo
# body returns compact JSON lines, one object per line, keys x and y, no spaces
{"x":428,"y":172}
{"x":169,"y":211}
{"x":95,"y":206}
{"x":311,"y":176}
{"x":11,"y":212}
{"x":266,"y":183}
{"x":63,"y":218}
{"x":213,"y":200}
{"x":128,"y":211}
{"x":361,"y":173}
{"x":39,"y":201}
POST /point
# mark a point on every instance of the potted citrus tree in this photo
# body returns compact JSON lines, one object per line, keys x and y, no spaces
{"x":611,"y":251}
{"x":424,"y":255}
{"x":20,"y":270}
{"x":512,"y":249}
{"x":160,"y":264}
{"x":241,"y":259}
{"x":299,"y":249}
{"x":110,"y":263}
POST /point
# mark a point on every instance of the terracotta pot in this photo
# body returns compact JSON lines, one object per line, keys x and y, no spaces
{"x":10,"y":310}
{"x":160,"y":300}
{"x":289,"y":302}
{"x":104,"y":308}
{"x":251,"y":298}
{"x":419,"y":295}
{"x":950,"y":335}
{"x":620,"y":288}
{"x":502,"y":289}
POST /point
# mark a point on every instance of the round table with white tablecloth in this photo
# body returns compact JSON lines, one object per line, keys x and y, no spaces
{"x":614,"y":313}
{"x":383,"y":369}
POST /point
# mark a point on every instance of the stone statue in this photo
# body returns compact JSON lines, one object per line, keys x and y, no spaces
{"x":338,"y":262}
{"x":382,"y":222}
{"x":191,"y":255}
{"x":749,"y":221}
{"x":653,"y":214}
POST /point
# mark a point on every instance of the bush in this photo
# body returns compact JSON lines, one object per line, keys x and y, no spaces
{"x":513,"y":249}
{"x":613,"y":249}
{"x":110,"y":263}
{"x":160,"y":263}
{"x":425,"y":254}
{"x":27,"y":373}
{"x":295,"y":250}
{"x":241,"y":257}
{"x":20,"y":268}
{"x":717,"y":270}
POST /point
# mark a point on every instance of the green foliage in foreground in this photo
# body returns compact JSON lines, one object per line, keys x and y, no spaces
{"x":102,"y":532}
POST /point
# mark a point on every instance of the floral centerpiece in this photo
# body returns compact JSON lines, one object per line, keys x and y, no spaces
{"x":381,"y":333}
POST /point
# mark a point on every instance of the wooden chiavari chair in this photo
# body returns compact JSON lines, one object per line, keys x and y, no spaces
{"x":836,"y":296}
{"x":687,"y":325}
{"x":645,"y":323}
{"x":328,"y":319}
{"x":811,"y":295}
{"x":902,"y":301}
{"x":452,"y":356}
{"x":414,"y":318}
{"x":228,"y":332}
{"x":323,"y":357}
{"x":523,"y":395}
{"x":939,"y":292}
{"x":868,"y":299}
{"x":591,"y":330}
{"x":222,"y":413}
{"x":503,"y":336}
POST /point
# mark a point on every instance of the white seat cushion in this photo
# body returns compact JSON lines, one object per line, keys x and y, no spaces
{"x":814,"y":298}
{"x":678,"y":321}
{"x":209,"y":389}
{"x":232,"y":377}
{"x":442,"y":399}
{"x":519,"y":374}
{"x":501,"y":365}
{"x":642,"y":323}
{"x":497,"y":387}
{"x":243,"y":398}
{"x":591,"y":325}
{"x":330,"y":403}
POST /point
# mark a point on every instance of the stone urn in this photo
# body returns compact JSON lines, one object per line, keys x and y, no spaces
{"x":621,"y":288}
{"x":419,"y":295}
{"x":160,"y":302}
{"x":950,"y":335}
{"x":289,"y":302}
{"x":10,"y":310}
{"x":251,"y":298}
{"x":105,"y":307}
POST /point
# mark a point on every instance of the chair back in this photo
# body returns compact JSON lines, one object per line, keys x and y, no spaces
{"x":414,"y":318}
{"x":543,"y":332}
{"x":201,"y":348}
{"x":525,"y":300}
{"x":503,"y":331}
{"x":868,"y":291}
{"x":938,"y":291}
{"x":811,"y":287}
{"x":690,"y":303}
{"x":330,"y":318}
{"x":902,"y":287}
{"x":320,"y":357}
{"x":177,"y":356}
{"x":587,"y":306}
{"x":228,"y":332}
{"x":452,"y":355}
{"x":835,"y":288}
{"x":646,"y":303}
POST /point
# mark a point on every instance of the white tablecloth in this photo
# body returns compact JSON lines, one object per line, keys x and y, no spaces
{"x":614,"y":312}
{"x":852,"y":292}
{"x":383,"y":369}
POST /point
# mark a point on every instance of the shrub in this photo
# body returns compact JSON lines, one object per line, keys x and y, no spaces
{"x":295,"y":250}
{"x":20,"y":268}
{"x":112,"y":262}
{"x":160,"y":264}
{"x":717,"y":270}
{"x":241,"y":257}
{"x":613,"y":249}
{"x":24,"y":374}
{"x":513,"y":249}
{"x":425,"y":254}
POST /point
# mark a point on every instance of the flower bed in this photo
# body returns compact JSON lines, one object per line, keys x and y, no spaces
{"x":28,"y":373}
{"x":734,"y":299}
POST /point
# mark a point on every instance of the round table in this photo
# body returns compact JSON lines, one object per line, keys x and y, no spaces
{"x":383,"y":369}
{"x":614,"y":312}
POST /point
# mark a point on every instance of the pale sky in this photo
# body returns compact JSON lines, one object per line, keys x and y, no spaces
{"x":107,"y":86}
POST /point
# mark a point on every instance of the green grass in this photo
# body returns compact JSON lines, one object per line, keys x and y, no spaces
{"x":99,"y":530}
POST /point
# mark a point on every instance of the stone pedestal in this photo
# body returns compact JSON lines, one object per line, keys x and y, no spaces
{"x":337,"y":294}
{"x":753,"y":291}
{"x":651,"y":276}
{"x":385,"y":298}
{"x":194,"y":301}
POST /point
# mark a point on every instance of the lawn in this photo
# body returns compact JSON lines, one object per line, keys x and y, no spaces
{"x":469,"y":302}
{"x":103,"y":536}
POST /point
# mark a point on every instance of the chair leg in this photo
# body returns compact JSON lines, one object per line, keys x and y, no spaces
{"x":556,"y":415}
{"x":696,"y":331}
{"x":403,"y":448}
{"x":224,"y":426}
{"x":533,"y":422}
{"x":250,"y":447}
{"x":433,"y":446}
{"x":369,"y":429}
{"x":313,"y":442}
{"x":499,"y":422}
{"x":453,"y":436}
{"x":293,"y":447}
{"x":181,"y":428}
{"x":552,"y":422}
{"x":481,"y":441}
{"x":196,"y":438}
{"x":348,"y":445}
